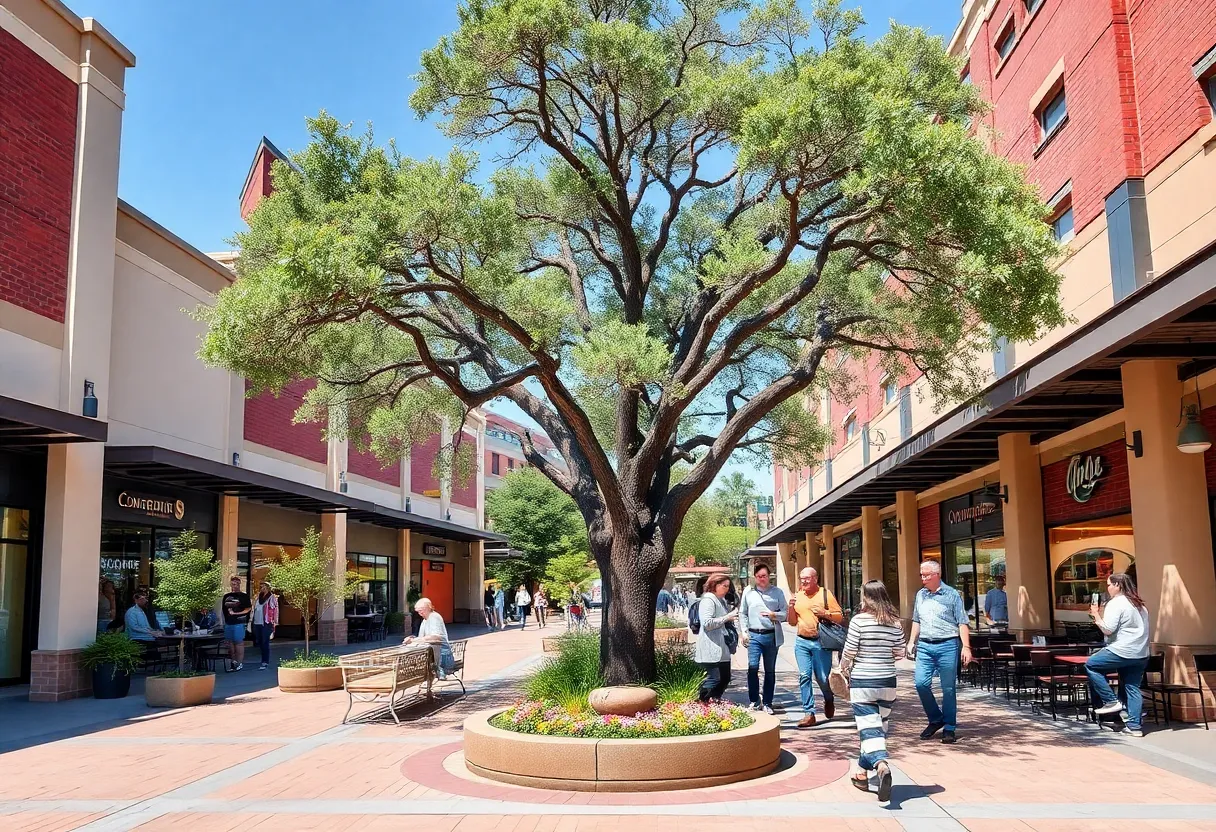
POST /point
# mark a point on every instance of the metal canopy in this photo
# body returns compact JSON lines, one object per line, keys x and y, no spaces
{"x":172,"y":468}
{"x":1069,"y":385}
{"x":26,"y":425}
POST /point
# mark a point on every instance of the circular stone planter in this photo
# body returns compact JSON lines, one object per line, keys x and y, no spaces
{"x":634,"y":765}
{"x":309,"y":679}
{"x":179,"y":692}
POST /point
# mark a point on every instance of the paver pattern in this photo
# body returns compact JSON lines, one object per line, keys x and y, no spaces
{"x":261,"y":759}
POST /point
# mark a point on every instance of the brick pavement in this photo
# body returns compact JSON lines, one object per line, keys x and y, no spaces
{"x":263,"y":759}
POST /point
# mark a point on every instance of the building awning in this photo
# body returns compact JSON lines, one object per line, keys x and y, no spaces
{"x":1069,"y":385}
{"x":173,"y":468}
{"x":26,"y":425}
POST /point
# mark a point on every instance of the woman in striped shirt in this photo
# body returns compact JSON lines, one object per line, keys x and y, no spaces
{"x":874,"y":641}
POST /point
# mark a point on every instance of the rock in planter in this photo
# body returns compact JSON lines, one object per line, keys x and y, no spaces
{"x":309,"y":679}
{"x":179,"y":692}
{"x":623,"y":700}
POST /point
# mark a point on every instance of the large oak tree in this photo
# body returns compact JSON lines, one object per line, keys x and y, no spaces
{"x":695,"y":206}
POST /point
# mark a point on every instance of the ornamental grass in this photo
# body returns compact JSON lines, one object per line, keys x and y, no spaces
{"x":670,"y":720}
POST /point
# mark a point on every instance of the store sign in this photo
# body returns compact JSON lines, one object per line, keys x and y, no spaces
{"x":152,"y":506}
{"x":976,"y":514}
{"x":119,"y":564}
{"x":970,"y":513}
{"x":437,"y":567}
{"x":434,"y":549}
{"x":1084,"y":475}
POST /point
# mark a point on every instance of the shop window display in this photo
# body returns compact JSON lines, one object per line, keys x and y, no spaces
{"x":1083,"y":555}
{"x":1084,"y":574}
{"x":377,"y":590}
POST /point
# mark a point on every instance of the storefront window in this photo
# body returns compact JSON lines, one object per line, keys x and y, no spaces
{"x":848,"y":571}
{"x":973,"y":555}
{"x":890,"y":559}
{"x":127,"y":552}
{"x":14,"y":560}
{"x":254,"y":560}
{"x":1083,"y":555}
{"x":377,"y":590}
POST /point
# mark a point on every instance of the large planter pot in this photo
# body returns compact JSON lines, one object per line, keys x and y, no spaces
{"x":674,"y":635}
{"x":172,"y":692}
{"x":309,"y":679}
{"x":107,"y":684}
{"x":610,"y":765}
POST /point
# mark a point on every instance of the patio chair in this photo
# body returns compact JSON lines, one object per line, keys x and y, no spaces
{"x":1155,"y":693}
{"x":1204,"y":663}
{"x":207,"y":655}
{"x":1059,"y":682}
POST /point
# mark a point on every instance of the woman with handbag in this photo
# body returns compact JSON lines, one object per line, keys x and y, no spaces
{"x":711,"y":650}
{"x":817,"y":615}
{"x":874,"y":642}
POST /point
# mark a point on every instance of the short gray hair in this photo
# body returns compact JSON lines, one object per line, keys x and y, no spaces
{"x":423,"y":602}
{"x":933,"y":565}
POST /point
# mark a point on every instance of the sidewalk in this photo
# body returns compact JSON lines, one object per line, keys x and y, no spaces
{"x":263,"y":760}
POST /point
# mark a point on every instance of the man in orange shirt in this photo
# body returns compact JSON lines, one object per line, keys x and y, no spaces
{"x":809,"y":605}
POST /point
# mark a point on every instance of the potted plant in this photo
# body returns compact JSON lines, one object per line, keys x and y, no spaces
{"x":112,"y":658}
{"x":187,"y":581}
{"x":394,"y":622}
{"x":308,"y":582}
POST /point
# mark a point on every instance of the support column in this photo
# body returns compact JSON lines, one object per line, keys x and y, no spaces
{"x":477,"y":577}
{"x":813,"y":557}
{"x":908,"y":541}
{"x":786,"y":568}
{"x":331,"y":629}
{"x":71,"y":562}
{"x":1028,"y":582}
{"x":226,"y":543}
{"x":871,"y":544}
{"x":1173,"y":534}
{"x":827,"y":575}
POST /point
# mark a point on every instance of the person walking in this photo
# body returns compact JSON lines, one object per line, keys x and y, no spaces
{"x":236,"y":607}
{"x":487,"y":607}
{"x":1124,"y":621}
{"x":711,"y":650}
{"x":523,"y":605}
{"x":940,"y":633}
{"x":813,"y":603}
{"x":762,"y":611}
{"x":664,"y":604}
{"x":874,"y":643}
{"x":265,"y":618}
{"x":500,"y":607}
{"x":539,"y":605}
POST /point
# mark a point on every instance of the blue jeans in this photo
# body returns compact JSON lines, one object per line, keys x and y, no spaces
{"x":761,"y":646}
{"x":814,"y":665}
{"x":1131,"y":674}
{"x":940,"y":660}
{"x":261,"y":637}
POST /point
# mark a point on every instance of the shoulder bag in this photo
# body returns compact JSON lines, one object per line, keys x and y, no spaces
{"x":831,"y":634}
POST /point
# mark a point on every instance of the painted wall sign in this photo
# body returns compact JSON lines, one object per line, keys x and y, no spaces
{"x":436,"y":566}
{"x":152,"y":506}
{"x":1084,"y":475}
{"x":434,"y":549}
{"x":975,"y":512}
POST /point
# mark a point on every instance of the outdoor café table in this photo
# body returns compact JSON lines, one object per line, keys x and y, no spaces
{"x":1072,"y":659}
{"x":193,"y":642}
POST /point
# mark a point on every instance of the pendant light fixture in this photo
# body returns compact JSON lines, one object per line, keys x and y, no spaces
{"x":1193,"y":438}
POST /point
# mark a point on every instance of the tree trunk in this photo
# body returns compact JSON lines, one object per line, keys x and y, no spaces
{"x":632,"y":575}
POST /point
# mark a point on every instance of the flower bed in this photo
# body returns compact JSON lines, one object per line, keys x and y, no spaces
{"x":670,"y":720}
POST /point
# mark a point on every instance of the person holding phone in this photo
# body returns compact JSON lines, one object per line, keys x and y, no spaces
{"x":710,"y":650}
{"x":762,"y":610}
{"x":1124,"y":621}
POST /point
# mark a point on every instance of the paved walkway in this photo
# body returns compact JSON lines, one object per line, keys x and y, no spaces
{"x":260,"y":759}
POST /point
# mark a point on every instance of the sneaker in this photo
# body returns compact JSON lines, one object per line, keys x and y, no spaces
{"x":1132,"y":732}
{"x":263,"y":666}
{"x":829,"y":708}
{"x":932,"y":729}
{"x":1109,"y":708}
{"x":768,"y":709}
{"x":238,"y":666}
{"x":807,"y":721}
{"x":948,"y":737}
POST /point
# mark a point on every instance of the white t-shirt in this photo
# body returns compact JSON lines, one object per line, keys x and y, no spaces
{"x":433,"y":625}
{"x":523,"y":598}
{"x":1129,"y":626}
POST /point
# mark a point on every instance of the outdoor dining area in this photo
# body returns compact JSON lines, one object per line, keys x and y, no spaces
{"x":1048,"y":674}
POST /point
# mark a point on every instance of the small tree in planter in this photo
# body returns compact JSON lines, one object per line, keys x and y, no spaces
{"x":308,"y":582}
{"x":187,"y":581}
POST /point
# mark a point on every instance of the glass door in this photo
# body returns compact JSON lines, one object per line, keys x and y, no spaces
{"x":960,"y":573}
{"x":14,"y":561}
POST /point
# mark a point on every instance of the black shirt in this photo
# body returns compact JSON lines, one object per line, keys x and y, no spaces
{"x":235,"y":601}
{"x":489,"y":599}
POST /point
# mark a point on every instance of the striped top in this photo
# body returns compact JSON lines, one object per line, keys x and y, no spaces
{"x":872,"y":648}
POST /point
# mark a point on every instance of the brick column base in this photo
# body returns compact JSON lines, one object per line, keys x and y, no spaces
{"x":56,"y":675}
{"x":331,"y":632}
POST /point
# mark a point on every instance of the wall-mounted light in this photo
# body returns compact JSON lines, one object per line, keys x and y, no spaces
{"x":407,"y":503}
{"x":1193,"y":438}
{"x":1137,"y":444}
{"x":342,"y":485}
{"x":89,"y":407}
{"x":449,"y":517}
{"x":236,"y":459}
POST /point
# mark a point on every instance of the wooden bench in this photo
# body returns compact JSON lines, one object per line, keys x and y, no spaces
{"x":387,"y":674}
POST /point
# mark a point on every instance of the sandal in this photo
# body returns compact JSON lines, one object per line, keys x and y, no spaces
{"x":862,"y":783}
{"x":884,"y":782}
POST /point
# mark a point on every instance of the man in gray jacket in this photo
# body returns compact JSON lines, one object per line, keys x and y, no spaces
{"x":761,"y":612}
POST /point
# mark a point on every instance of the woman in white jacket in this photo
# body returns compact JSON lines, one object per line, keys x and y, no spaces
{"x":1125,"y":623}
{"x":710,"y":650}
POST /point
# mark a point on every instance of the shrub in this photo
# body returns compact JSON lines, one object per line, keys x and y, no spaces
{"x":677,"y":677}
{"x":670,"y":720}
{"x":306,"y":660}
{"x":117,"y":649}
{"x":569,"y":676}
{"x":394,"y":622}
{"x":666,"y":622}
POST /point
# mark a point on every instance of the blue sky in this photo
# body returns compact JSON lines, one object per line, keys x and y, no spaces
{"x":213,"y":77}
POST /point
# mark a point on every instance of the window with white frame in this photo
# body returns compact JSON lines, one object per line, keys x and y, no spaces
{"x":850,"y":428}
{"x":890,"y":389}
{"x":1061,"y":219}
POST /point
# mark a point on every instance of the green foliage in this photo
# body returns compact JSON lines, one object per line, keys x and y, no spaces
{"x":567,"y":677}
{"x":666,"y":622}
{"x":705,"y":538}
{"x":564,"y":570}
{"x":732,"y":496}
{"x":117,"y":649}
{"x":539,"y":520}
{"x":394,"y":622}
{"x":181,"y":674}
{"x":677,"y":677}
{"x":672,"y":719}
{"x":302,"y":660}
{"x":187,"y":581}
{"x":308,"y":582}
